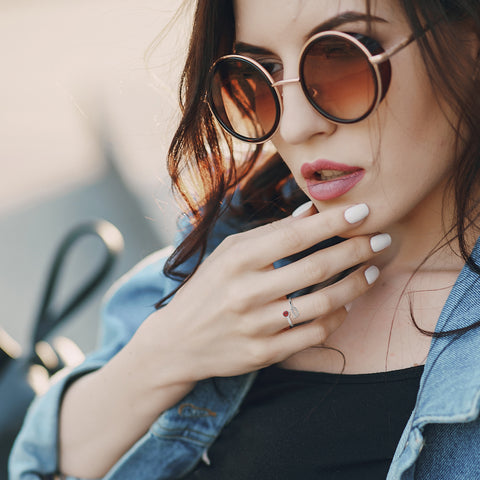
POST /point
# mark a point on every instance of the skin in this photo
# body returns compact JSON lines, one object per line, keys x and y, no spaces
{"x":406,"y":150}
{"x":406,"y":171}
{"x":227,"y":319}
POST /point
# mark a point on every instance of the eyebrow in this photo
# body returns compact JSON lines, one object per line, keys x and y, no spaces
{"x":346,"y":17}
{"x":330,"y":24}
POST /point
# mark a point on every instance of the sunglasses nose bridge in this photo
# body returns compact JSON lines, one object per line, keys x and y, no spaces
{"x":298,"y":120}
{"x":288,"y":81}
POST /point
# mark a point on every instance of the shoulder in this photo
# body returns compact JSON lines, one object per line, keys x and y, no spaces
{"x":144,"y":275}
{"x":132,"y":298}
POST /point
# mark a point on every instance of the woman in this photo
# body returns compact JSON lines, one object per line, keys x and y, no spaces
{"x":373,"y":107}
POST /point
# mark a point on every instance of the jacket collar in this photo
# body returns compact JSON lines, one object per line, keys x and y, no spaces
{"x":450,"y":386}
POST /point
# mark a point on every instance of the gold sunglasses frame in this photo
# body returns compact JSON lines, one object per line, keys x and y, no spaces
{"x":374,"y":60}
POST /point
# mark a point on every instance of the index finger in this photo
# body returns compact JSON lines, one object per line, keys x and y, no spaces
{"x":292,"y":235}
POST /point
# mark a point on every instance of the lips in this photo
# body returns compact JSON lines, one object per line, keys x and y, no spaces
{"x":327,"y":180}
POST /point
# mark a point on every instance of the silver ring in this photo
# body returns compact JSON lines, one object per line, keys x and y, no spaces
{"x":291,"y":314}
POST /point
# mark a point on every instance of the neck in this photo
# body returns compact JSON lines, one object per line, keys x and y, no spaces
{"x":425,"y":240}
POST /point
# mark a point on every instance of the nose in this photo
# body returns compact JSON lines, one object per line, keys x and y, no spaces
{"x":300,"y":121}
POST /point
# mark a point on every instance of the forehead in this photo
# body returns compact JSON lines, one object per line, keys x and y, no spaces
{"x":269,"y":22}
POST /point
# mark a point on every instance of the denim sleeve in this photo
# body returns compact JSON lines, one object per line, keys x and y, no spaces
{"x":127,"y":304}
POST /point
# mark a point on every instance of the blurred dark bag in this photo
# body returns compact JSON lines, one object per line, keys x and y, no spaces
{"x":24,"y":376}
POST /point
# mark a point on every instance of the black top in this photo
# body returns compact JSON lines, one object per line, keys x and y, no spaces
{"x":309,"y":425}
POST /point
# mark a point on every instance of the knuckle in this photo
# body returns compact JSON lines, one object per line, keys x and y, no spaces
{"x":234,"y":242}
{"x":313,"y":270}
{"x":330,"y":223}
{"x":253,"y":293}
{"x":268,"y":228}
{"x":360,"y":283}
{"x":358,"y":249}
{"x":228,"y":242}
{"x":322,"y":304}
{"x":245,"y":328}
{"x":227,"y":267}
{"x":273,"y":226}
{"x":242,"y":295}
{"x":320,"y":333}
{"x":237,"y":300}
{"x":292,"y":238}
{"x":234,"y":248}
{"x":258,"y":354}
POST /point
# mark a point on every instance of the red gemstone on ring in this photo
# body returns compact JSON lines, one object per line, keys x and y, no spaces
{"x":285,"y":313}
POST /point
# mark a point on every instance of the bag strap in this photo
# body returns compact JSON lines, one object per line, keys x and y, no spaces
{"x":48,"y":318}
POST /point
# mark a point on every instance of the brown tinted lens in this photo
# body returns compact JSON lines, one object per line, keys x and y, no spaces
{"x":242,"y":99}
{"x":338,"y":78}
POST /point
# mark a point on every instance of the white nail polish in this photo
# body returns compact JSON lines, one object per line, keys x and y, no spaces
{"x":348,"y":306}
{"x":356,"y":213}
{"x":302,"y":209}
{"x":380,"y":242}
{"x":371,"y":274}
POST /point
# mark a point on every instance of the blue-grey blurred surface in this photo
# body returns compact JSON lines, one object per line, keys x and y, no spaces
{"x":29,"y":239}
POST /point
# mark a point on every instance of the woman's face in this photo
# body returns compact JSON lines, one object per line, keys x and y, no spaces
{"x":400,"y":156}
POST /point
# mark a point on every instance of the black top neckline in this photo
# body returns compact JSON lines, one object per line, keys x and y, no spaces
{"x":327,"y":377}
{"x":310,"y":425}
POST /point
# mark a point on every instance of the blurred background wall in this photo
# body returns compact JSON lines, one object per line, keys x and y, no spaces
{"x":84,"y":128}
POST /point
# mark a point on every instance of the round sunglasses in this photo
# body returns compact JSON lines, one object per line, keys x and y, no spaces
{"x":344,"y":76}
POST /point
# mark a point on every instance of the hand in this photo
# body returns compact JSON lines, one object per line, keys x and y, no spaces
{"x":228,"y":318}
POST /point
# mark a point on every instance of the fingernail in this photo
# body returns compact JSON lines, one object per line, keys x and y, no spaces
{"x":371,"y":274}
{"x":348,"y":306}
{"x":380,"y":242}
{"x":356,"y":213}
{"x":302,"y":209}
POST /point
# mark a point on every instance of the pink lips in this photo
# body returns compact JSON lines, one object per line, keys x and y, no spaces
{"x":328,"y":189}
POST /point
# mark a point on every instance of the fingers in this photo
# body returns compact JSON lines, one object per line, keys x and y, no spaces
{"x":264,"y":245}
{"x":267,"y":337}
{"x":319,"y":314}
{"x":304,"y":336}
{"x":238,"y":301}
{"x":323,"y":302}
{"x":320,"y":303}
{"x":323,"y":264}
{"x":283,"y":239}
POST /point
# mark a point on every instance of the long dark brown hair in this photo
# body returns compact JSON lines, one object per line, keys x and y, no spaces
{"x":202,"y":155}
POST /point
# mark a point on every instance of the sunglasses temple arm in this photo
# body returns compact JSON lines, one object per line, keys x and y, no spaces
{"x":382,"y":57}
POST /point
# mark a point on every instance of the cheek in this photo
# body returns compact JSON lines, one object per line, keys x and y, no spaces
{"x":413,"y":108}
{"x":412,"y":165}
{"x":413,"y":127}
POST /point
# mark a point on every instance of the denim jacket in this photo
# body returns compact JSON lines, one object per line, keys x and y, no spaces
{"x":441,"y":439}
